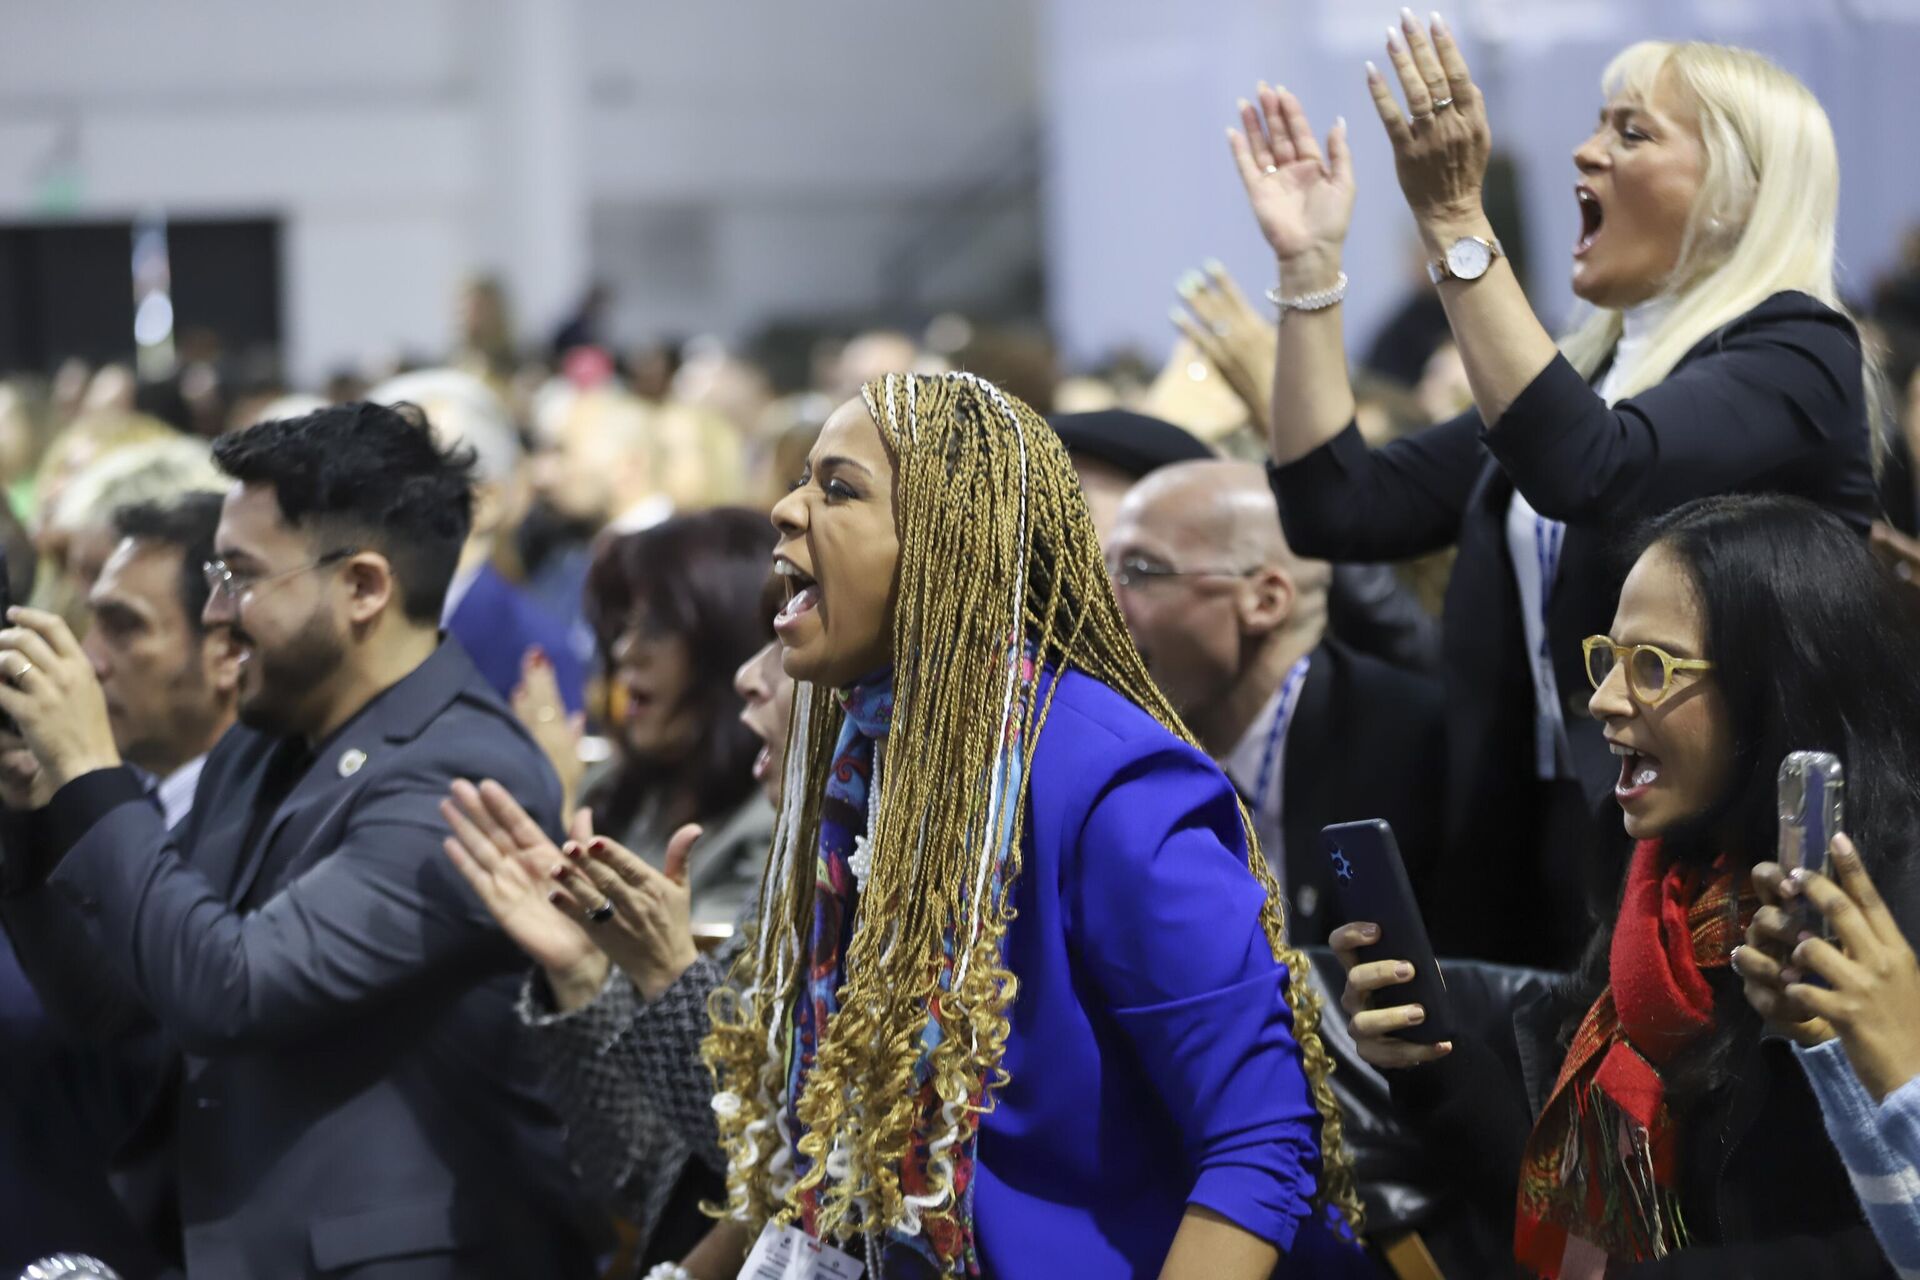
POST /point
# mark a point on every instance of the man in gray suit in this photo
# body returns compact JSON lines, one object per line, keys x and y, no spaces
{"x":353,"y":1099}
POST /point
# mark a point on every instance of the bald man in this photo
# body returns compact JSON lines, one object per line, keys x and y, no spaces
{"x":1233,"y":626}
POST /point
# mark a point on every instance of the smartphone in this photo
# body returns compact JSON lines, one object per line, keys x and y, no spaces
{"x":1370,"y":883}
{"x":1812,"y":809}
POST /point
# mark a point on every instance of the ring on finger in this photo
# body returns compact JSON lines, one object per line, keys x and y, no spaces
{"x":16,"y":677}
{"x":1441,"y":104}
{"x":602,"y":913}
{"x":1273,"y":168}
{"x":1419,"y":116}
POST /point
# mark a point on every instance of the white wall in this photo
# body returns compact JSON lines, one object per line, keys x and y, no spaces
{"x":406,"y":142}
{"x":805,"y":138}
{"x":347,"y":119}
{"x":1139,"y":93}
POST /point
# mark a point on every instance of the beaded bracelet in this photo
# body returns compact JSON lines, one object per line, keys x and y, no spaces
{"x":1319,"y":300}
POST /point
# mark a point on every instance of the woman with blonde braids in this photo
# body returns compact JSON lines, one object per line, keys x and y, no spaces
{"x":1019,"y":1001}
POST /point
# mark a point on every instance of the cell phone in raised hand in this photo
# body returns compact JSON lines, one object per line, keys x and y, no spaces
{"x":1370,"y":883}
{"x":1812,"y":809}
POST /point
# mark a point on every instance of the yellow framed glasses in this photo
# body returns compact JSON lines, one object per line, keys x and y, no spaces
{"x":1650,"y":669}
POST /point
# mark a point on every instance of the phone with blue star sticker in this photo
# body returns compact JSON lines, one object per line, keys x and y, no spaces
{"x":1370,"y":883}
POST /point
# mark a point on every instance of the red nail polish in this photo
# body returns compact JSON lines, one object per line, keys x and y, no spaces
{"x":554,"y":897}
{"x":559,"y":872}
{"x":597,"y":845}
{"x":572,"y":850}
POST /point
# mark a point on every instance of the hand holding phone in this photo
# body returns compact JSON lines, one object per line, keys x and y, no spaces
{"x":1370,"y":884}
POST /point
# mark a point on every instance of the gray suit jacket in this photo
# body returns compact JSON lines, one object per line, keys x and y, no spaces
{"x":353,"y":1087}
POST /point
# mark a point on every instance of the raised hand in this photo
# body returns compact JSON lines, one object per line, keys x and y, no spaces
{"x":48,"y":687}
{"x":649,"y":934}
{"x":538,"y":705}
{"x":1374,"y":1030}
{"x":1441,"y":143}
{"x":1872,"y":992}
{"x":1235,"y":339}
{"x":1302,"y":198}
{"x":507,"y":858}
{"x":24,"y":784}
{"x":1763,"y":963}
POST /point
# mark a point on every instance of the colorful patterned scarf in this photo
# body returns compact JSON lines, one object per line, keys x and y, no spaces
{"x":844,"y":822}
{"x":1599,"y":1181}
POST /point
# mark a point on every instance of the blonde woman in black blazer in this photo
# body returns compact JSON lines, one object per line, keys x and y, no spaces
{"x":1717,"y":358}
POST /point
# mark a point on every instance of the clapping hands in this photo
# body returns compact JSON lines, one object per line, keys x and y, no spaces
{"x":1302,"y":194}
{"x":576,"y":908}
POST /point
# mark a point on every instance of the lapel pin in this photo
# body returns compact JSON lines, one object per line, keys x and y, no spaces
{"x":350,"y":761}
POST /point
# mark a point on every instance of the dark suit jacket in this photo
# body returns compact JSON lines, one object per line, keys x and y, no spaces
{"x":1773,"y":402}
{"x":496,"y":623}
{"x":62,"y":1109}
{"x":353,"y":1087}
{"x":1367,"y":741}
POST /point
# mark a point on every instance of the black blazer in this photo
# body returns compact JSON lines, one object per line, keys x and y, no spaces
{"x":1773,"y":402}
{"x":353,"y":1090}
{"x":1367,"y":741}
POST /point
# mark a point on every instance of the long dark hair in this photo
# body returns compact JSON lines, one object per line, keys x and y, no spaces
{"x":699,"y":576}
{"x":1816,"y":647}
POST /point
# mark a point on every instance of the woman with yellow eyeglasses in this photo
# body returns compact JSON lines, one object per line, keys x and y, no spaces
{"x":1651,"y":1130}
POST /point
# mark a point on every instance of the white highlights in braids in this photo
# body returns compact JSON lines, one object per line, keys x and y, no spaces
{"x":1016,"y":658}
{"x":789,"y":860}
{"x":861,"y":863}
{"x":785,"y":862}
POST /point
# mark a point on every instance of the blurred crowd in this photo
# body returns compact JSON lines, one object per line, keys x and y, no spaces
{"x":1470,"y":582}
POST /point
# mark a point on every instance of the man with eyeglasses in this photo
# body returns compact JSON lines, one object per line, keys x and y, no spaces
{"x":1233,"y":627}
{"x":352,"y":1094}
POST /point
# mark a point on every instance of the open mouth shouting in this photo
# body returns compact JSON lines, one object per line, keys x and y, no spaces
{"x":1592,"y":215}
{"x":803,"y":596}
{"x":1639,"y":772}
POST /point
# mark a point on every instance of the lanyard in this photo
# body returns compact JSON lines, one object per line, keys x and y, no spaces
{"x":1548,"y":536}
{"x":1277,"y":735}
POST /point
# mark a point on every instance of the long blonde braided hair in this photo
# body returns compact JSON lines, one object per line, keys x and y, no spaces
{"x":984,"y":495}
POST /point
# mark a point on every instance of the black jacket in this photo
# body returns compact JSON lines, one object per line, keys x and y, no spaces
{"x":1762,"y":1190}
{"x":1773,"y":402}
{"x":1366,"y":742}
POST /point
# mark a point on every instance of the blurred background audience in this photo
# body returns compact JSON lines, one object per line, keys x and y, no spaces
{"x":561,"y":233}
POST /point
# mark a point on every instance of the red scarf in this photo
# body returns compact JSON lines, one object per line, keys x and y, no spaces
{"x":1599,"y":1179}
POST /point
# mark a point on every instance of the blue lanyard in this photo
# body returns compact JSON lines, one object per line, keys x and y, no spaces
{"x":1277,"y":735}
{"x":1548,"y":535}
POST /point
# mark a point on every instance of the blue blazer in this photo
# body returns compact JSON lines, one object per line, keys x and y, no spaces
{"x":354,"y":1092}
{"x":1152,"y":1061}
{"x":496,"y":623}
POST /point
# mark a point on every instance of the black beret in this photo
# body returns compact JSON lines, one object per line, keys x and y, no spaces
{"x":1132,"y":442}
